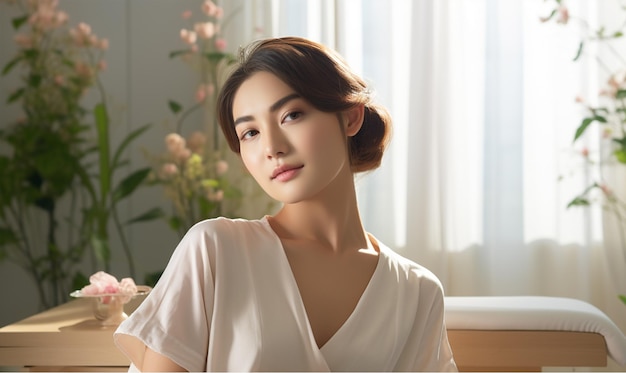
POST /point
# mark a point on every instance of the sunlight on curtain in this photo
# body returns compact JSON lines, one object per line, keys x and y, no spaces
{"x":554,"y":168}
{"x":481,"y":166}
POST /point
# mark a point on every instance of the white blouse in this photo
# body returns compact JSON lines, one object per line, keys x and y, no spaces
{"x":228,"y":301}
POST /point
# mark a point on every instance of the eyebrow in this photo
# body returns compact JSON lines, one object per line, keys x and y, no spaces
{"x":275,"y":106}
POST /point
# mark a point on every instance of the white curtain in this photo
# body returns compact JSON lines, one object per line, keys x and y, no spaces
{"x":482,"y":166}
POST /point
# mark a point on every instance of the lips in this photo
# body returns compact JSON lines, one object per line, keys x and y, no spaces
{"x":284,"y":173}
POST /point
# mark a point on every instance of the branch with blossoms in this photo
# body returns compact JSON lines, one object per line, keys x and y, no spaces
{"x":194,"y":180}
{"x":206,"y":53}
{"x":53,"y":175}
{"x":192,"y":170}
{"x":609,"y":113}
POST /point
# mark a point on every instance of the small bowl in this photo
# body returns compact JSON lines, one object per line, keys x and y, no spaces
{"x":108,"y":309}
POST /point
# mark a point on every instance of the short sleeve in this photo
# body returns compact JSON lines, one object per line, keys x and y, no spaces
{"x":427,"y":348}
{"x":174,"y":319}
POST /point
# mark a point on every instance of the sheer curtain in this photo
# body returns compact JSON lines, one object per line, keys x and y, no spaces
{"x":481,"y":167}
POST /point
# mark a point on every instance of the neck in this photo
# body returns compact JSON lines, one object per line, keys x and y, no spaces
{"x":332,"y":220}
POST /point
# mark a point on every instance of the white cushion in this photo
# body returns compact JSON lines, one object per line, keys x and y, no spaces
{"x":534,"y":313}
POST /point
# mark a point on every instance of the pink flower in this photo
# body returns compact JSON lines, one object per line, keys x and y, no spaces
{"x":563,"y":15}
{"x":182,"y":154}
{"x":102,"y":65}
{"x":61,"y":17}
{"x":23,"y":40}
{"x":605,"y":189}
{"x":585,"y":152}
{"x":220,"y":44}
{"x":83,"y":70}
{"x":59,"y":80}
{"x":221,"y":167}
{"x":196,"y":141}
{"x":127,"y":286}
{"x":174,"y":142}
{"x":103,"y":44}
{"x":84,"y":28}
{"x":219,"y":13}
{"x":168,"y":170}
{"x":205,"y":30}
{"x":215,"y":196}
{"x":201,"y":92}
{"x":209,"y":8}
{"x":82,"y":35}
{"x":187,"y":36}
{"x":101,"y":283}
{"x":186,"y":14}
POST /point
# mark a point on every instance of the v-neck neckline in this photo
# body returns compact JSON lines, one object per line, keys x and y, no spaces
{"x":296,"y":290}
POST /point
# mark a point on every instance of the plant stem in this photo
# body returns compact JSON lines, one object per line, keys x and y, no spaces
{"x":125,"y":246}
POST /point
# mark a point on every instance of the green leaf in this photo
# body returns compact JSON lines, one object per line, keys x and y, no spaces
{"x":552,"y":14}
{"x":618,"y":34}
{"x":15,"y":95}
{"x":153,"y":214}
{"x":620,"y":154}
{"x":11,"y":64}
{"x":585,"y":123}
{"x":102,"y":125}
{"x":130,"y":183}
{"x":152,"y":278}
{"x":620,"y":94}
{"x":79,"y":280}
{"x":175,"y":107}
{"x":578,"y":201}
{"x":34,"y":80}
{"x":623,"y":298}
{"x":175,"y":223}
{"x":131,"y":136}
{"x":7,"y":236}
{"x":19,"y":21}
{"x":216,"y":57}
{"x":579,"y":52}
{"x":210,"y":183}
{"x":31,"y":53}
{"x":582,"y":128}
{"x":180,"y":52}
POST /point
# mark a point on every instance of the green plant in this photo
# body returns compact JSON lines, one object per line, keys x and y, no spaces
{"x":58,"y":189}
{"x":609,"y":113}
{"x":194,"y":170}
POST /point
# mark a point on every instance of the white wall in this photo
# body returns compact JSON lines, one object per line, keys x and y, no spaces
{"x":140,"y":78}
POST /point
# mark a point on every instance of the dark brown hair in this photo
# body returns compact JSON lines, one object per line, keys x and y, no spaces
{"x":321,"y":77}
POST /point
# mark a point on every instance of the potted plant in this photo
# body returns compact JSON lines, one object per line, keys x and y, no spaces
{"x":59,"y":189}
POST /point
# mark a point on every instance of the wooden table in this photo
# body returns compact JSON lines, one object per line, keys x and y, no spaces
{"x":64,"y":338}
{"x":68,"y":338}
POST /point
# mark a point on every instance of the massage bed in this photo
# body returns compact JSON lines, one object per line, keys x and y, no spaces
{"x":526,"y":333}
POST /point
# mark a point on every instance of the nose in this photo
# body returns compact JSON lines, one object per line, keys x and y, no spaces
{"x":275,"y":143}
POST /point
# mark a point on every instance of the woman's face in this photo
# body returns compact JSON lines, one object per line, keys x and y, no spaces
{"x":293,"y":150}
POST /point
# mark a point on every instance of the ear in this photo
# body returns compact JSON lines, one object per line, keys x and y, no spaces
{"x":353,"y":119}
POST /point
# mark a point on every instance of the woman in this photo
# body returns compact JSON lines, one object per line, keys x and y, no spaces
{"x":307,"y":289}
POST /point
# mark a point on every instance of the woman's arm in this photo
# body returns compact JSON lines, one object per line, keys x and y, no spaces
{"x":155,"y":362}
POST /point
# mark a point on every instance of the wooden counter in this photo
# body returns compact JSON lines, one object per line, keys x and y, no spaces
{"x":64,"y":338}
{"x":68,"y":338}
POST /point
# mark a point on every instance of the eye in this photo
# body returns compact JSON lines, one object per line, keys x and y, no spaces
{"x":247,"y":134}
{"x":291,"y":116}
